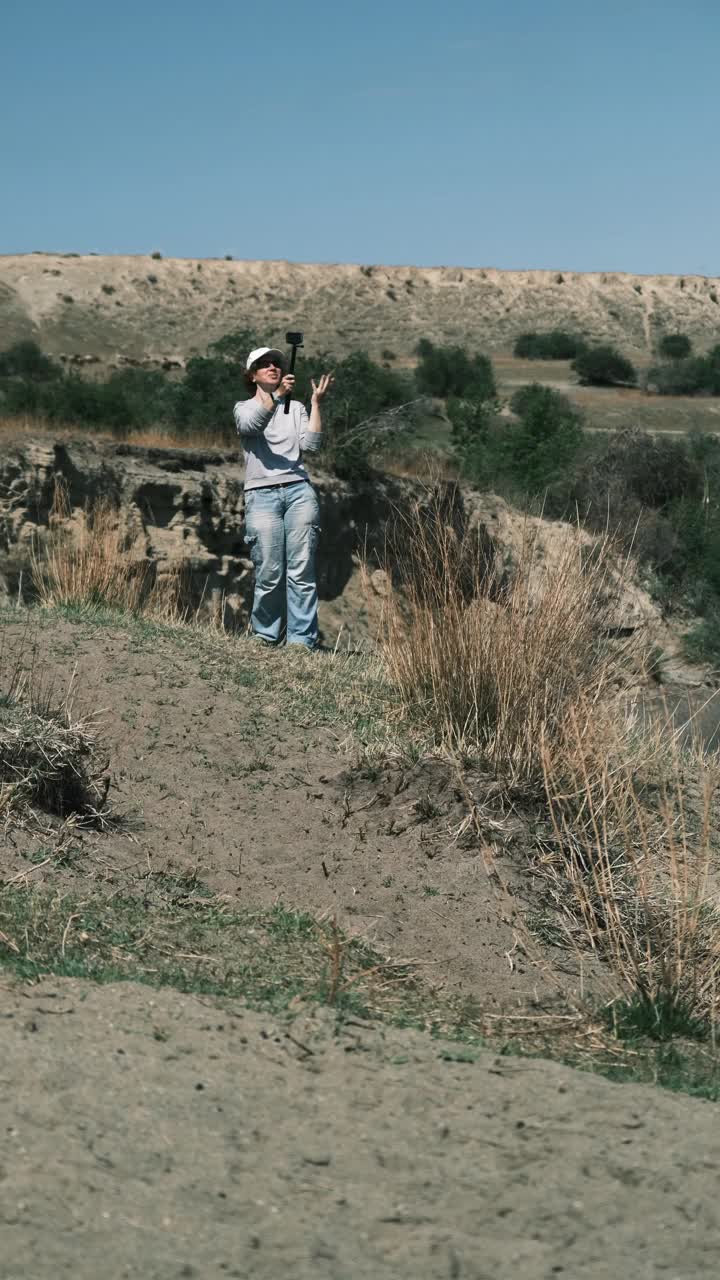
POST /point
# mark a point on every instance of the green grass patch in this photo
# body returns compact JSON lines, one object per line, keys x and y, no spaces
{"x":172,"y":934}
{"x":677,"y":1067}
{"x":656,"y":1019}
{"x":702,"y":643}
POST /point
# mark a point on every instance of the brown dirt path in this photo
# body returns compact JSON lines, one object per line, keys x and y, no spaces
{"x":153,"y":1135}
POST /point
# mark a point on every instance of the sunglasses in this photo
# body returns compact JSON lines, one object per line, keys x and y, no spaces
{"x":268,"y":364}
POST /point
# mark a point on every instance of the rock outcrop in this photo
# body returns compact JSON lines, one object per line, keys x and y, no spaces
{"x":178,"y":508}
{"x":184,"y":509}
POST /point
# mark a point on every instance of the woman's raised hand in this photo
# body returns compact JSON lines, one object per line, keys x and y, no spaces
{"x":321,"y":388}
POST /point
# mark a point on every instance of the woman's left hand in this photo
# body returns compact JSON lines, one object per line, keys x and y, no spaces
{"x":320,"y":389}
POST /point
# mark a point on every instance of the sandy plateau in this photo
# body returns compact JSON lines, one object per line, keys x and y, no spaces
{"x":155,"y":310}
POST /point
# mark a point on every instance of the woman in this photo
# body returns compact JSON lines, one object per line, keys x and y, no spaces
{"x":282,"y":516}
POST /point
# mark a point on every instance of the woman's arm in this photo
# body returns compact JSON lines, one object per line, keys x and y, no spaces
{"x":320,"y":390}
{"x":251,"y":417}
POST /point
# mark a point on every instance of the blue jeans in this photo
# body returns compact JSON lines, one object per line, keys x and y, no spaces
{"x":282,"y":524}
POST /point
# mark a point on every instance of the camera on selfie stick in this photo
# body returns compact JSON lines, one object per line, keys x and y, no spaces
{"x":295,"y":340}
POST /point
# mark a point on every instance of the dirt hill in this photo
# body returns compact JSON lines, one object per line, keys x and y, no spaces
{"x":117,"y":309}
{"x":163,"y":1133}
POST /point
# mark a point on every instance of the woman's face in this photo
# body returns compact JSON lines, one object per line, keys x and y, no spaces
{"x":267,"y":373}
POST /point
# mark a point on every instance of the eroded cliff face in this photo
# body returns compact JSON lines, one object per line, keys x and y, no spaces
{"x":183,"y":510}
{"x":178,"y":509}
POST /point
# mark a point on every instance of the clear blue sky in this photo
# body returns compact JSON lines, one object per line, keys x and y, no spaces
{"x":507,"y":133}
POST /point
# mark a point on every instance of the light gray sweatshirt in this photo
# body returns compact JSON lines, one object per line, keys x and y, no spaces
{"x":273,"y":442}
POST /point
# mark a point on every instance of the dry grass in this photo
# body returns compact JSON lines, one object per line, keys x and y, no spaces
{"x":85,"y":561}
{"x":27,"y":425}
{"x":632,"y":865}
{"x":516,"y":667}
{"x":50,"y":759}
{"x":497,"y":657}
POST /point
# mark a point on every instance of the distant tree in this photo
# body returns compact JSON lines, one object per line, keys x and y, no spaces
{"x":235,"y":346}
{"x":547,"y":439}
{"x":424,"y":347}
{"x":212,"y":384}
{"x":450,"y":371}
{"x":370,"y":406}
{"x":476,"y":444}
{"x":604,"y":366}
{"x":554,"y":345}
{"x":696,"y":376}
{"x":205,"y":397}
{"x":26,"y":360}
{"x":675,"y":346}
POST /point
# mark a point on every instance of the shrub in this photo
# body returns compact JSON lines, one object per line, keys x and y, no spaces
{"x":129,"y":399}
{"x":698,"y":375}
{"x":604,"y":366}
{"x":547,"y":440}
{"x":51,"y":761}
{"x":152,"y":279}
{"x":212,"y":384}
{"x":637,"y":861}
{"x":655,"y":470}
{"x":371,"y":406}
{"x":675,"y":346}
{"x":236,"y":345}
{"x":496,"y":662}
{"x":156,"y":255}
{"x":520,"y":459}
{"x":555,"y":345}
{"x":204,"y":399}
{"x":652,"y":491}
{"x":87,"y":563}
{"x":681,"y":378}
{"x":450,"y":371}
{"x":477,"y":443}
{"x":108,"y":288}
{"x":702,"y":643}
{"x":26,"y":360}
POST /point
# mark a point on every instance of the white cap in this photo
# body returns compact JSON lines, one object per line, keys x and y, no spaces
{"x":259,"y":352}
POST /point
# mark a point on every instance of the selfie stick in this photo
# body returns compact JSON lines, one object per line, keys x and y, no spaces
{"x":295,"y":340}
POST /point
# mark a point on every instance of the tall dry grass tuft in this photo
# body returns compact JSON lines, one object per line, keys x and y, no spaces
{"x":85,"y":561}
{"x":634,"y":866}
{"x":50,"y":758}
{"x":497,"y":657}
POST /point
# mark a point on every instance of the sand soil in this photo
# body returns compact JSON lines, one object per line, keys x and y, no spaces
{"x":153,"y":1134}
{"x":263,"y":804}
